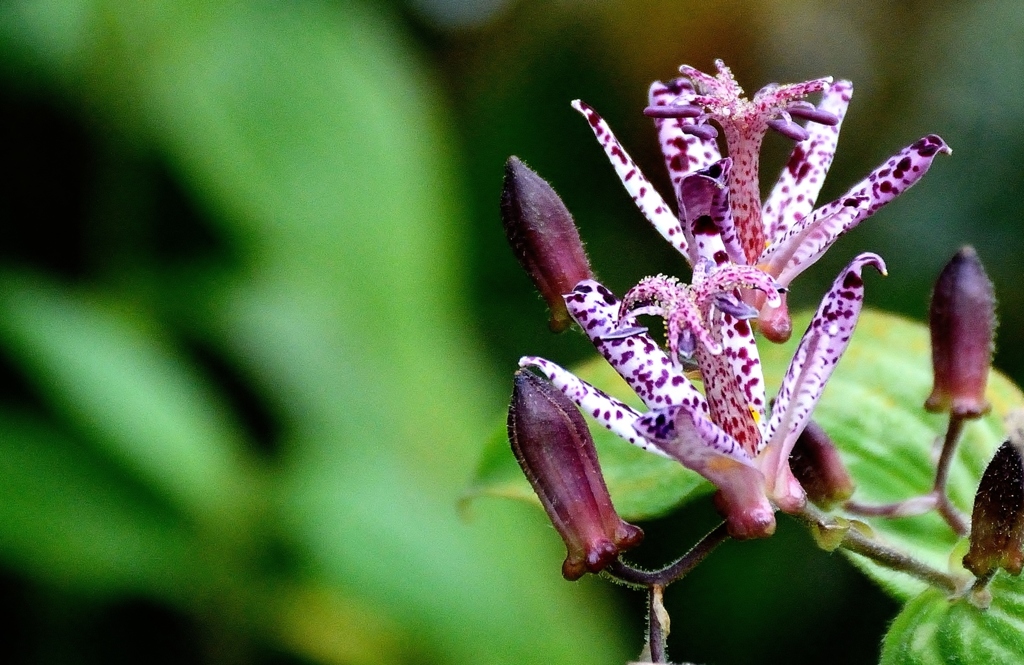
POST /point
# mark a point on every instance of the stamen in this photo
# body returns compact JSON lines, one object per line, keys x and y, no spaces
{"x":673,"y":111}
{"x":705,"y":131}
{"x":807,"y":111}
{"x":686,"y":345}
{"x":789,"y":129}
{"x":647,"y":310}
{"x":624,"y":333}
{"x":691,"y":368}
{"x":735,"y":307}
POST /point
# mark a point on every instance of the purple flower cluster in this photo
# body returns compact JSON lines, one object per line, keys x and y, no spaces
{"x":744,"y":255}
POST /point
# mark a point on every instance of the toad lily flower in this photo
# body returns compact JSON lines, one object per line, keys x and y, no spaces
{"x":725,"y":434}
{"x":720,"y":215}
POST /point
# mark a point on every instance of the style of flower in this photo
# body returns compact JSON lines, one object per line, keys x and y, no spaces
{"x":726,"y":434}
{"x":719,"y":215}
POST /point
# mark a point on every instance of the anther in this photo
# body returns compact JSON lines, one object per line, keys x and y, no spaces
{"x":673,"y":111}
{"x":705,"y":131}
{"x":807,"y":111}
{"x":789,"y":129}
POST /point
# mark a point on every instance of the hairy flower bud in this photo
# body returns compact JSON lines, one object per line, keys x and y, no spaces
{"x":997,"y":523}
{"x":816,"y":464}
{"x":552,"y":444}
{"x":962,"y":322}
{"x":543,"y":237}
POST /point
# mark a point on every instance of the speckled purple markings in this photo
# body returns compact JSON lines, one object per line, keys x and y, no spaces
{"x":744,"y":254}
{"x":786,"y":234}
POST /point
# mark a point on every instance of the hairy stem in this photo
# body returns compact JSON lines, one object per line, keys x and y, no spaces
{"x":657,"y":624}
{"x":655,"y":581}
{"x":857,"y":542}
{"x":953,"y":517}
{"x":937,"y":499}
{"x":674,"y":571}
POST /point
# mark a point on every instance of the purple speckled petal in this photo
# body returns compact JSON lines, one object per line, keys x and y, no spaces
{"x":733,"y":381}
{"x":707,"y":216}
{"x":799,"y":251}
{"x":899,"y":173}
{"x":816,"y":357}
{"x":700,"y":445}
{"x":793,"y":196}
{"x":884,"y":184}
{"x":684,"y":153}
{"x":675,"y":427}
{"x":644,"y":195}
{"x":614,"y":415}
{"x":637,"y":358}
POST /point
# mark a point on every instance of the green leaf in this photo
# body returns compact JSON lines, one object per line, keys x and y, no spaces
{"x":285,"y":122}
{"x":67,"y":519}
{"x":932,"y":629}
{"x":873,"y":410}
{"x":642,"y":485}
{"x":131,"y":395}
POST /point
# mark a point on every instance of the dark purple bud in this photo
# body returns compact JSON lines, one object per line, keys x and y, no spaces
{"x":735,"y":307}
{"x":705,"y":131}
{"x":543,"y":237}
{"x":806,"y":111}
{"x":789,"y":129}
{"x":962,"y":321}
{"x":673,"y":111}
{"x":816,"y":464}
{"x":997,"y":523}
{"x":553,"y":446}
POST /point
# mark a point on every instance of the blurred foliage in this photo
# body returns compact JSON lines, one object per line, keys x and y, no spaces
{"x":266,"y":427}
{"x":257,"y":309}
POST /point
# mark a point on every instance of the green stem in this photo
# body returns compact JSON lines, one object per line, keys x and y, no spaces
{"x":657,"y":624}
{"x":855,"y":541}
{"x":953,"y":517}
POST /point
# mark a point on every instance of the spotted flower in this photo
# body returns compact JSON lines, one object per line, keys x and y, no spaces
{"x":725,"y":434}
{"x":719,"y":214}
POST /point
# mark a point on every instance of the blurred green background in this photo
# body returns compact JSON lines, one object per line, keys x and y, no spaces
{"x":257,"y":315}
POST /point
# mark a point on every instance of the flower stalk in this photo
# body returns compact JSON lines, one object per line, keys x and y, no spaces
{"x":852,"y":539}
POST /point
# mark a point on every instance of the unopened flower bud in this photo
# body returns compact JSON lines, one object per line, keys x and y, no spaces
{"x":543,"y":237}
{"x":997,"y":523}
{"x":815,"y":462}
{"x":552,"y":444}
{"x":962,"y":321}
